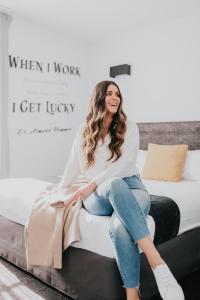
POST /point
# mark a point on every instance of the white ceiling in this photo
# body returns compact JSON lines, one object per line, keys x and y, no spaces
{"x":94,"y":20}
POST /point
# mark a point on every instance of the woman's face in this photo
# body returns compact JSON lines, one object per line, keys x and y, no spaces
{"x":112,"y":99}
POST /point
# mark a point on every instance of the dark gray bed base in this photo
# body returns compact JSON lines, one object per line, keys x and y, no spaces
{"x":88,"y":276}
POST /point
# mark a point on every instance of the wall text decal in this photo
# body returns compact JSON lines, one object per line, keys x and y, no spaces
{"x":22,"y":131}
{"x":15,"y":62}
{"x":47,"y":106}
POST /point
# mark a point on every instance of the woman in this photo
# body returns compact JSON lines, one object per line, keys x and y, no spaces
{"x":104,"y":152}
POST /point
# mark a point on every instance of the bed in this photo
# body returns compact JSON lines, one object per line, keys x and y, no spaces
{"x":89,"y":269}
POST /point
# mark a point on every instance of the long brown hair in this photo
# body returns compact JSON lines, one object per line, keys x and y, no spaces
{"x":94,"y":125}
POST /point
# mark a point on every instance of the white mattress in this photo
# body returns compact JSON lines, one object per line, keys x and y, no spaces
{"x":18,"y":194}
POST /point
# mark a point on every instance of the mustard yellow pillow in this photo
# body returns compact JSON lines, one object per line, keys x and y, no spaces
{"x":165,"y":162}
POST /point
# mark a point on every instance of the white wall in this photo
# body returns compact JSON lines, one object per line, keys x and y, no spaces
{"x":165,"y":60}
{"x":163,"y":86}
{"x":43,"y":154}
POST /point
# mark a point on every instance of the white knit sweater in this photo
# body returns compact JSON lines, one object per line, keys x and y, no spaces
{"x":102,"y":169}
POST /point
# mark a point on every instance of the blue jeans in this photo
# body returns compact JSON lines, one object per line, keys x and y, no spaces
{"x":127,"y":202}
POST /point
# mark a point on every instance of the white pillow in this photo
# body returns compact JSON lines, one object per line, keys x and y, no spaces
{"x":192,"y":165}
{"x":141,"y":160}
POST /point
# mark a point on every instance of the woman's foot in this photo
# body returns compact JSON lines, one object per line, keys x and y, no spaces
{"x":167,"y":285}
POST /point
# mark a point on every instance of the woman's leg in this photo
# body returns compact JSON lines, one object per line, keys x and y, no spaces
{"x":126,"y":253}
{"x":125,"y":249}
{"x":116,"y":194}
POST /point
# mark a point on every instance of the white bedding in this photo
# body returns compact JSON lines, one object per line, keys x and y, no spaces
{"x":18,"y":194}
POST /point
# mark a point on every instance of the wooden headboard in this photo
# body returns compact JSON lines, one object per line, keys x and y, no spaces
{"x":168,"y":133}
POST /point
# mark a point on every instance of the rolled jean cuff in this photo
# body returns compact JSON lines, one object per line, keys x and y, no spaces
{"x":142,"y":235}
{"x":131,"y":285}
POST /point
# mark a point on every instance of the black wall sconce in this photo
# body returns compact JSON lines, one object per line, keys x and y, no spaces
{"x":120,"y":70}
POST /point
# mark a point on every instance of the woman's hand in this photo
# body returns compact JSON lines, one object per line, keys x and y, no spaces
{"x":83,"y":192}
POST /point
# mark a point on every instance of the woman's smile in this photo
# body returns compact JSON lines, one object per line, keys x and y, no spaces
{"x":112,"y":99}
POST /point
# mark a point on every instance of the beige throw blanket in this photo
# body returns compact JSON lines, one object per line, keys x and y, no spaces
{"x":52,"y":226}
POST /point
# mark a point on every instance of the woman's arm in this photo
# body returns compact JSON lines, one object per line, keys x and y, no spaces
{"x":127,"y":161}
